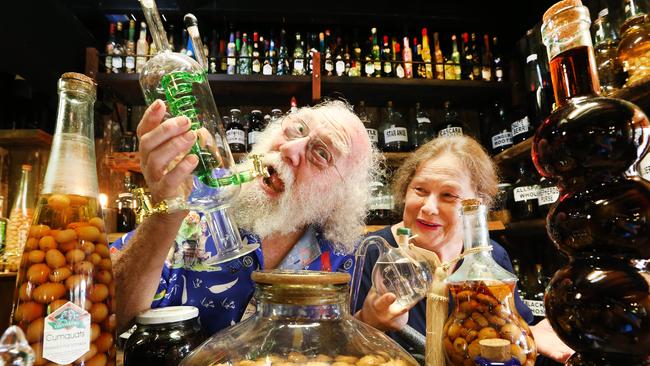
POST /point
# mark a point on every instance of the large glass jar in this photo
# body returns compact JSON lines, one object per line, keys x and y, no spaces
{"x":301,"y":317}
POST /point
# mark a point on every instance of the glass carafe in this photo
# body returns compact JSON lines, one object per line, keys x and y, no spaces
{"x":483,"y":297}
{"x":302,"y":318}
{"x":182,"y":84}
{"x":20,"y":217}
{"x":64,"y":298}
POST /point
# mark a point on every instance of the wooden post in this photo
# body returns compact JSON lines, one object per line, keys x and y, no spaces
{"x":315,"y":77}
{"x":92,"y":62}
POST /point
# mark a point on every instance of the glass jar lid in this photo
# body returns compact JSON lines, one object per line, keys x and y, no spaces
{"x":273,"y":277}
{"x":169,"y":314}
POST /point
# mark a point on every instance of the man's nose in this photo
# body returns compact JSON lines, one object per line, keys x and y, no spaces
{"x":430,"y":206}
{"x":293,"y":151}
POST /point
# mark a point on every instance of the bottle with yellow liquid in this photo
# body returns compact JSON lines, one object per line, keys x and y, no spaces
{"x":64,"y":298}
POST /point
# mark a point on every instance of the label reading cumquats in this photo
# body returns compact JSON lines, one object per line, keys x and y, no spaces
{"x":66,"y":334}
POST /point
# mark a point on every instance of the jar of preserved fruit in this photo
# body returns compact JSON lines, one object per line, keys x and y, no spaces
{"x":302,"y":317}
{"x":65,"y":293}
{"x":164,"y":336}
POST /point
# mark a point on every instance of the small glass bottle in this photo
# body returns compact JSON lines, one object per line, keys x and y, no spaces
{"x":451,"y":125}
{"x":20,"y":217}
{"x":610,"y":71}
{"x":254,"y":128}
{"x":422,"y":127}
{"x":633,"y":48}
{"x":235,"y":134}
{"x":535,"y":290}
{"x":500,"y":129}
{"x":525,"y":193}
{"x":395,"y":134}
{"x":483,"y":297}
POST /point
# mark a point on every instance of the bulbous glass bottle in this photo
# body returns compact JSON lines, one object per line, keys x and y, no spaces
{"x":302,"y":317}
{"x":483,"y":296}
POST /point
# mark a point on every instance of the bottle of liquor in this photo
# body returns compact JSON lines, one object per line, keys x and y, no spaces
{"x":269,"y":59}
{"x":298,"y":57}
{"x":610,"y":70}
{"x":254,"y":128}
{"x":407,"y":56}
{"x":125,"y":207}
{"x":357,"y":62}
{"x":232,"y":54}
{"x":465,"y":58}
{"x":500,"y":127}
{"x":129,"y":60}
{"x":141,"y":48}
{"x":438,"y":57}
{"x":421,"y":70}
{"x":329,"y":58}
{"x":422,"y":127}
{"x":235,"y":134}
{"x":244,"y":57}
{"x":453,"y":71}
{"x":110,"y":45}
{"x":339,"y":63}
{"x":20,"y":218}
{"x":486,"y":60}
{"x":535,"y":288}
{"x":476,"y":58}
{"x":283,"y":56}
{"x":386,"y":58}
{"x":520,"y":127}
{"x":497,"y":60}
{"x":525,"y":192}
{"x":397,"y":60}
{"x":256,"y":65}
{"x":426,"y":55}
{"x":213,"y":56}
{"x":395,"y":134}
{"x":376,"y":53}
{"x":223,"y":60}
{"x":347,"y":59}
{"x":371,"y":127}
{"x":451,"y":124}
{"x":118,"y":50}
{"x":540,"y":90}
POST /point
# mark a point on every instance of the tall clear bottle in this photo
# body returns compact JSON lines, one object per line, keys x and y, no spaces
{"x":182,"y":83}
{"x":20,"y":217}
{"x":483,"y":298}
{"x":64,"y":297}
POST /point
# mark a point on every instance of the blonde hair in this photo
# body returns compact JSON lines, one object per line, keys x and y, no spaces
{"x":474,"y":160}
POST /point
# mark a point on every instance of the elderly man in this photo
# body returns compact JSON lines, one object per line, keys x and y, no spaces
{"x":307,"y":215}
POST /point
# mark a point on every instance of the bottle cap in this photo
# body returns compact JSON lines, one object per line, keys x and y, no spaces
{"x":169,"y":314}
{"x":404,"y":231}
{"x":495,"y":349}
{"x":26,"y":167}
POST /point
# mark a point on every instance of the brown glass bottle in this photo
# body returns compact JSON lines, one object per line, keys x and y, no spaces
{"x":598,"y":303}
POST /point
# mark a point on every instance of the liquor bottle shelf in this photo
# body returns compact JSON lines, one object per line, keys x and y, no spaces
{"x":27,"y":137}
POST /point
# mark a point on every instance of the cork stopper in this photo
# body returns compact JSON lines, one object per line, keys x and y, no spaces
{"x":495,"y":349}
{"x":26,"y":167}
{"x":79,"y":77}
{"x":300,"y":277}
{"x":560,"y":7}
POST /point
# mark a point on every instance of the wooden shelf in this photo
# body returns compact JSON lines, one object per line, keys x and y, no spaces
{"x":516,"y":152}
{"x":24,"y":138}
{"x":8,"y":274}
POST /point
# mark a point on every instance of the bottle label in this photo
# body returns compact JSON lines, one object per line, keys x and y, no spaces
{"x":548,"y":195}
{"x":644,"y":167}
{"x":298,"y":64}
{"x":340,"y":68}
{"x":252,"y":137}
{"x":235,"y":136}
{"x":370,"y":68}
{"x":117,"y":62}
{"x":66,"y":334}
{"x":486,"y":74}
{"x":499,"y":72}
{"x":373,"y":135}
{"x":399,"y":71}
{"x":388,"y":68}
{"x":377,"y":66}
{"x":267,"y":69}
{"x":231,"y":61}
{"x":520,"y":126}
{"x":450,"y":131}
{"x":396,"y":134}
{"x":501,"y":139}
{"x":427,"y":120}
{"x":256,"y":66}
{"x":130,"y":62}
{"x":526,"y":193}
{"x":329,"y":66}
{"x":537,"y":307}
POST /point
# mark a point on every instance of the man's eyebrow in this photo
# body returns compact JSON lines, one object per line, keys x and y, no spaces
{"x":337,"y":139}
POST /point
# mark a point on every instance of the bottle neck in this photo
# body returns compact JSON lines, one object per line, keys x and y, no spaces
{"x":476,"y":230}
{"x":303,"y":301}
{"x":155,"y":25}
{"x":22,"y":201}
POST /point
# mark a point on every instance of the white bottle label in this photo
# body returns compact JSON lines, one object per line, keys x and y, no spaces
{"x":252,"y":137}
{"x":644,"y":167}
{"x":450,"y":131}
{"x":130,"y":62}
{"x":501,"y":139}
{"x":399,"y":71}
{"x":117,"y":62}
{"x":526,"y":193}
{"x":66,"y":334}
{"x":256,"y":66}
{"x":236,"y":137}
{"x":388,"y":67}
{"x":370,"y":68}
{"x":548,"y":195}
{"x":536,"y":306}
{"x":373,"y":135}
{"x":231,"y":61}
{"x":427,"y":120}
{"x":499,"y":73}
{"x":520,"y":126}
{"x":298,"y":64}
{"x":340,"y":68}
{"x":396,"y":134}
{"x":267,"y":69}
{"x":329,"y":66}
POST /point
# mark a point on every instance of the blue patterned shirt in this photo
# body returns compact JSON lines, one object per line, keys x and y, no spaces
{"x":223,"y":292}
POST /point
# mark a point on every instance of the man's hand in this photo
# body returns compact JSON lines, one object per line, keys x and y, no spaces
{"x":548,"y":343}
{"x":161,"y":144}
{"x":382,"y":313}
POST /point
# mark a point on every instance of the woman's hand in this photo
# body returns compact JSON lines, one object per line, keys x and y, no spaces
{"x":548,"y":343}
{"x":382,"y":313}
{"x":162,"y":143}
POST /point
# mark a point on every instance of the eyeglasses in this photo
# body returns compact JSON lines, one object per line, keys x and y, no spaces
{"x":318,"y":152}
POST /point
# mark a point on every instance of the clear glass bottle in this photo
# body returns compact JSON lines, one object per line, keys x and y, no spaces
{"x":525,"y":191}
{"x":610,"y":70}
{"x":65,"y":290}
{"x":182,"y":83}
{"x":634,"y":48}
{"x":483,"y":296}
{"x":395,"y":134}
{"x":20,"y":218}
{"x":422,"y":127}
{"x":298,"y":57}
{"x":301,"y":317}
